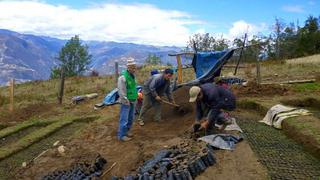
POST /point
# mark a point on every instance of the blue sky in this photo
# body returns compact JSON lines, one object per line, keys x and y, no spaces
{"x":158,"y":22}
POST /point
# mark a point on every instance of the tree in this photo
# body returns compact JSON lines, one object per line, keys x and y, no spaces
{"x":206,"y":42}
{"x":74,"y":58}
{"x":277,"y":29}
{"x":152,"y":59}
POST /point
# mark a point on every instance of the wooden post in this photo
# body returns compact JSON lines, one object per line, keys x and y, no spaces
{"x":179,"y":69}
{"x":61,"y":88}
{"x":116,"y":71}
{"x":258,"y":72}
{"x":11,"y":89}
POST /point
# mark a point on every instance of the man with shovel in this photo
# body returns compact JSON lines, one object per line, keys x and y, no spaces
{"x":154,"y":88}
{"x":210,"y":100}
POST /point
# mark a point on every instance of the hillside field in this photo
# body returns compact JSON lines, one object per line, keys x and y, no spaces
{"x":38,"y":121}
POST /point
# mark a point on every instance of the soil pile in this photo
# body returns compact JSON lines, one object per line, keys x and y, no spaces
{"x":254,"y":89}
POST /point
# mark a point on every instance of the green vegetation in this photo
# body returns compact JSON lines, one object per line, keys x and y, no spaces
{"x":252,"y":105}
{"x":307,"y":87}
{"x":74,"y":58}
{"x":152,"y":59}
{"x":306,"y":125}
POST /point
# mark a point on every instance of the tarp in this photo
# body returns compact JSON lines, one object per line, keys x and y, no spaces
{"x":222,"y":141}
{"x":112,"y":97}
{"x":279,"y":112}
{"x":205,"y":60}
{"x":208,"y":66}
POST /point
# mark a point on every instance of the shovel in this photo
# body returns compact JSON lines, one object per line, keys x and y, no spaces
{"x":177,"y":107}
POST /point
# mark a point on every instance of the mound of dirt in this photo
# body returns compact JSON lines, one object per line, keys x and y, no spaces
{"x":254,"y":89}
{"x":181,"y":96}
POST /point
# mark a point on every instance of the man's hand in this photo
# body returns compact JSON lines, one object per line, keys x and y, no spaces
{"x":158,"y":98}
{"x":196,"y":126}
{"x":204,"y":125}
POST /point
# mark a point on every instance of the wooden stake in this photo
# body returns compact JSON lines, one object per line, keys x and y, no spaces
{"x":116,"y":71}
{"x":11,"y":108}
{"x":61,"y":88}
{"x":258,"y":72}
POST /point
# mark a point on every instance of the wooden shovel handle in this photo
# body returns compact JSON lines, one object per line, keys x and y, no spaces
{"x":167,"y":102}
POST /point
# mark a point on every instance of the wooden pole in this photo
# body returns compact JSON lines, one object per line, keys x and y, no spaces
{"x":11,"y":108}
{"x":116,"y":71}
{"x":179,"y":68}
{"x":244,"y":43}
{"x":61,"y":88}
{"x":258,"y":72}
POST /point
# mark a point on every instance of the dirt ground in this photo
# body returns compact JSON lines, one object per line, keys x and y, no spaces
{"x":101,"y":138}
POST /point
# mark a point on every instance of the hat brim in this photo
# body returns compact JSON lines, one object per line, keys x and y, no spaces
{"x":193,"y":99}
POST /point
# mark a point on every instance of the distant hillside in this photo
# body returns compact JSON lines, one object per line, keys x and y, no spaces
{"x":29,"y":57}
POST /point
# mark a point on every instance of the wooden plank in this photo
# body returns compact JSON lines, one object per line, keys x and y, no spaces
{"x":292,"y":82}
{"x":182,"y":53}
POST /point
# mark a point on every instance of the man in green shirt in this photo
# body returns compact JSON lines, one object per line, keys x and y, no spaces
{"x":127,"y":90}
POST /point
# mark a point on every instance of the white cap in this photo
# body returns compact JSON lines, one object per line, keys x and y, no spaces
{"x":131,"y":62}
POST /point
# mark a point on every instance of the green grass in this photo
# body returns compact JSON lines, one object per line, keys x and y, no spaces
{"x":38,"y":135}
{"x":307,"y":87}
{"x":306,"y":126}
{"x":252,"y":105}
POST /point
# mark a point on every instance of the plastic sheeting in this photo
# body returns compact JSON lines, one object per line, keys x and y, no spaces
{"x":222,"y":141}
{"x":112,"y":97}
{"x":208,"y":67}
{"x":205,"y":60}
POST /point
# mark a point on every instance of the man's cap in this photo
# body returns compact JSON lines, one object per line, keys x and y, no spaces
{"x":168,"y":71}
{"x":131,"y":62}
{"x":194,"y":92}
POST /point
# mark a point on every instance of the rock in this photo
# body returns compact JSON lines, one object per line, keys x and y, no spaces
{"x":56,"y":143}
{"x":24,"y":164}
{"x":109,"y":138}
{"x":62,"y":150}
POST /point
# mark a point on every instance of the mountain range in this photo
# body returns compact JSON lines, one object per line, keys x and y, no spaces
{"x":27,"y":57}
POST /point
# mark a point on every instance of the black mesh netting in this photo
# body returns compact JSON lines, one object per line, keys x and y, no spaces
{"x":284,"y":158}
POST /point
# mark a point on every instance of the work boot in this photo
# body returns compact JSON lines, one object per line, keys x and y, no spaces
{"x":141,"y":122}
{"x":125,"y":139}
{"x":130,"y":135}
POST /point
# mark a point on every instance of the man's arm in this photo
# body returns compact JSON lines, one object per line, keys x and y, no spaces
{"x":199,"y":112}
{"x":122,"y":90}
{"x":152,"y":86}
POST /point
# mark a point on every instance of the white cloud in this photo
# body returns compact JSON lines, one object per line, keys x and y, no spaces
{"x":293,"y":8}
{"x":239,"y":28}
{"x":138,"y":23}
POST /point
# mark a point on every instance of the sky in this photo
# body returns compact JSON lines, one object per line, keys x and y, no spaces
{"x":154,"y":22}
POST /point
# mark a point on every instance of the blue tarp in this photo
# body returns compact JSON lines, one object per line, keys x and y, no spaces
{"x":207,"y":66}
{"x":206,"y":60}
{"x":112,"y":97}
